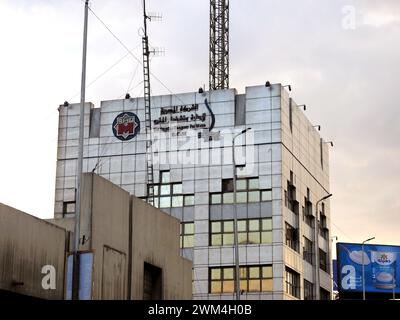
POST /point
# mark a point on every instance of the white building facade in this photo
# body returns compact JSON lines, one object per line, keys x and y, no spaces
{"x":282,"y":168}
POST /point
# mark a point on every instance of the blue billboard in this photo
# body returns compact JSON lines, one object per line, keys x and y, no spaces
{"x":381,"y":269}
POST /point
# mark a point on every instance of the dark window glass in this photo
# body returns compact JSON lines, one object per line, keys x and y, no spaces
{"x":308,"y":290}
{"x":187,"y":235}
{"x":250,"y":231}
{"x":252,"y":279}
{"x":292,"y":280}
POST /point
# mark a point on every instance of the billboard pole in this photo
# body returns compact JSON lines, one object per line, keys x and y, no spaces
{"x":363,"y":268}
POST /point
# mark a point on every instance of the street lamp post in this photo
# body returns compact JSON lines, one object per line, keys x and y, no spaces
{"x":235,"y":236}
{"x":363,"y":268}
{"x":316,"y":237}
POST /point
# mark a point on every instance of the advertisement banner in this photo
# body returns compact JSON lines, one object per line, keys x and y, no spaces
{"x":381,"y":268}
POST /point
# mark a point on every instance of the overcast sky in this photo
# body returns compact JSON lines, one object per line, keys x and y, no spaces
{"x":342,"y":59}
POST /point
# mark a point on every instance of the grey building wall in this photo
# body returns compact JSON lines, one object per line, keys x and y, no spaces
{"x":270,"y":155}
{"x":27,"y":244}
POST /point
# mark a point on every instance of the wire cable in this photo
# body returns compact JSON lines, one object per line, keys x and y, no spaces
{"x":132,"y":54}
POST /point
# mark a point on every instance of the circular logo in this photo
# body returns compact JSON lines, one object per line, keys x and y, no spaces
{"x":126,"y":126}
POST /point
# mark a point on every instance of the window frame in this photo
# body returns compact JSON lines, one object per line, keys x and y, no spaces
{"x":245,"y":281}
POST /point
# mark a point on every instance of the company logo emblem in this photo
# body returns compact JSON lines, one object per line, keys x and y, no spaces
{"x":126,"y":126}
{"x":384,"y":258}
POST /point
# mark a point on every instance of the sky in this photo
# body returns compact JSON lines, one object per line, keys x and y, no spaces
{"x":342,"y":59}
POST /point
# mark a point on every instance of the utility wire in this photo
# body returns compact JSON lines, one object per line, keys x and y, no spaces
{"x":131,"y":53}
{"x":102,"y":74}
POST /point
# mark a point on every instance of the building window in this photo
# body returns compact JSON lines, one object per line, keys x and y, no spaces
{"x":324,"y":294}
{"x":308,"y":250}
{"x":250,"y":231}
{"x":290,"y":196}
{"x":170,"y":195}
{"x":323,"y":224}
{"x":68,"y":208}
{"x":323,"y":260}
{"x":292,"y":280}
{"x":247,"y":190}
{"x":152,"y":282}
{"x":291,"y":237}
{"x":252,"y":279}
{"x":186,"y":235}
{"x":308,"y":290}
{"x":307,"y":213}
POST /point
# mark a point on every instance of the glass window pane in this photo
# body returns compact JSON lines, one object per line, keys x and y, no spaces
{"x":267,"y":272}
{"x":155,"y":189}
{"x":177,"y":188}
{"x":228,"y":273}
{"x":216,"y":198}
{"x":241,"y":197}
{"x":165,"y":189}
{"x":254,"y":225}
{"x":254,"y":196}
{"x":266,"y":237}
{"x":266,"y":195}
{"x":188,"y":241}
{"x":189,"y":228}
{"x":241,"y":226}
{"x":243,"y":273}
{"x":228,"y":198}
{"x":254,"y":285}
{"x":165,"y":177}
{"x":156,"y":202}
{"x":216,"y":227}
{"x":228,"y":226}
{"x":253,"y":184}
{"x":216,"y":287}
{"x":266,"y":285}
{"x":228,"y":239}
{"x":215,"y":274}
{"x":254,"y":237}
{"x":267,"y":224}
{"x":229,"y":286}
{"x":165,"y":202}
{"x":243,"y":285}
{"x":242,"y":238}
{"x":216,"y":240}
{"x":241,"y":184}
{"x":189,"y":200}
{"x":177,"y":201}
{"x":254,"y":272}
{"x":227,"y":185}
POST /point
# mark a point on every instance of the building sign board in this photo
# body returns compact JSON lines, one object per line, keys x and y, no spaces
{"x":381,"y":269}
{"x":126,"y":126}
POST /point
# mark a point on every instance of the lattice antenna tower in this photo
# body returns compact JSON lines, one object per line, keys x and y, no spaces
{"x":219,"y":44}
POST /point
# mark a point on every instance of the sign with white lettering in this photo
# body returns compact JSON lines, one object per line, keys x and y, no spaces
{"x":176,"y":120}
{"x":380,"y":272}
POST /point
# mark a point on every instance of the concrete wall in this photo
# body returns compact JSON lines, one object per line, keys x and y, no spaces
{"x":108,"y":231}
{"x":156,"y":241}
{"x":105,"y":220}
{"x":26,"y":245}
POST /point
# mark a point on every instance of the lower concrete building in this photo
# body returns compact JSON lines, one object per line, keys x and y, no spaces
{"x":134,"y":249}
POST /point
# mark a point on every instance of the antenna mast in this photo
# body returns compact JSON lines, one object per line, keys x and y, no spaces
{"x":147,"y":107}
{"x":219,"y":44}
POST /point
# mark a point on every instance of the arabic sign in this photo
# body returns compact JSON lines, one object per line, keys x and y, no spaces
{"x":176,"y":120}
{"x":381,"y":269}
